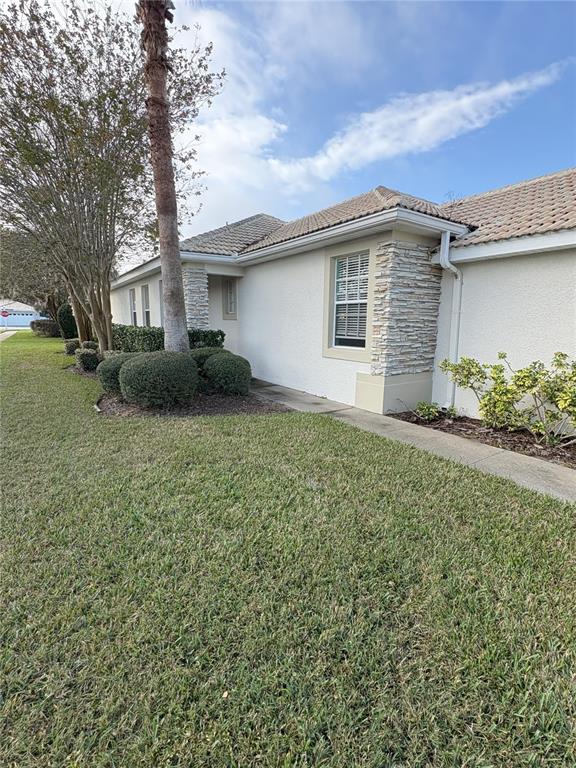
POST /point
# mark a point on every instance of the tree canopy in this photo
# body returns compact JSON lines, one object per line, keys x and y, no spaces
{"x":74,"y":170}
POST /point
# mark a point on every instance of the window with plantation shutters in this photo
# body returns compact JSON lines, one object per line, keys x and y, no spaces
{"x":351,"y":300}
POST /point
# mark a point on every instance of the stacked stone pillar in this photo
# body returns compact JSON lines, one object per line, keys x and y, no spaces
{"x":195,"y":279}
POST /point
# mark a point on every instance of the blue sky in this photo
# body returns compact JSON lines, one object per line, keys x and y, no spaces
{"x":327,"y":100}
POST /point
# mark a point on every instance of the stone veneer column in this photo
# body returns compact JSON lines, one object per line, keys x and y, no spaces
{"x":404,"y":328}
{"x":406,"y":302}
{"x":195,"y":281}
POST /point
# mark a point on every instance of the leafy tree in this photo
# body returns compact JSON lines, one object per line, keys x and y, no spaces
{"x":74,"y":171}
{"x":27,"y":275}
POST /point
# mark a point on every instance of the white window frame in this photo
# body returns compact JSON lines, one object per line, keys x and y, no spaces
{"x":133,"y":309}
{"x":145,"y":298}
{"x":357,"y":292}
{"x":229,"y":298}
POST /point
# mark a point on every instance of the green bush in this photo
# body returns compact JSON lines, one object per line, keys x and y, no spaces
{"x":49,"y":328}
{"x":66,"y":321}
{"x":433,"y":411}
{"x":133,"y":338}
{"x":227,"y":373}
{"x":71,"y":345}
{"x":536,"y":398}
{"x":159,"y":379}
{"x":109,"y":371}
{"x":89,"y":345}
{"x":87,"y":359}
{"x":201,"y":354}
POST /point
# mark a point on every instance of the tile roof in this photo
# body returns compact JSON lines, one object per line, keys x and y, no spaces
{"x":544,"y":204}
{"x":375,"y":201}
{"x":233,"y":237}
{"x":536,"y":206}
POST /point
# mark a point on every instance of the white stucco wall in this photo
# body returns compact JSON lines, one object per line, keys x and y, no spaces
{"x":281,"y":316}
{"x":121,"y":302}
{"x":522,"y":305}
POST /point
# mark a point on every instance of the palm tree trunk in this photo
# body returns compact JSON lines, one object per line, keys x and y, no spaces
{"x":153,"y":15}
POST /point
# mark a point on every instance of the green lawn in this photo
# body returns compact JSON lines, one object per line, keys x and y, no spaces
{"x":277,"y":590}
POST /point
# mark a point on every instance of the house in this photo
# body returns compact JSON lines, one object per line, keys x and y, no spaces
{"x":16,"y":314}
{"x":361,"y":301}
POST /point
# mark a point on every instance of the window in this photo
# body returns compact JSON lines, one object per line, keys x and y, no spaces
{"x":161,"y":302}
{"x":229,"y":298}
{"x":351,"y":300}
{"x":145,"y":305}
{"x":133,"y":313}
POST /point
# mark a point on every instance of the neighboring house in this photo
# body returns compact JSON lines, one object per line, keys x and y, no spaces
{"x":361,"y":301}
{"x":19,"y":315}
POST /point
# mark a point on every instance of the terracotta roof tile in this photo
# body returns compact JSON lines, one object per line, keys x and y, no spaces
{"x":544,"y":204}
{"x":536,"y":206}
{"x":233,"y":237}
{"x":375,"y":201}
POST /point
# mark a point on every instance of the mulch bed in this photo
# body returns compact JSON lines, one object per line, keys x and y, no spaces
{"x":521,"y":441}
{"x":202,"y":405}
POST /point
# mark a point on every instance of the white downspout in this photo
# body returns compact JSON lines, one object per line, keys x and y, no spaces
{"x":456,"y":310}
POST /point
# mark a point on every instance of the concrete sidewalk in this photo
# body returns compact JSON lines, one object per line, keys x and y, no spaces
{"x":536,"y":474}
{"x":6,"y":335}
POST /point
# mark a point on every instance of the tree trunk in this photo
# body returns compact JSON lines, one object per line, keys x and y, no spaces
{"x":82,"y":320}
{"x":153,"y":15}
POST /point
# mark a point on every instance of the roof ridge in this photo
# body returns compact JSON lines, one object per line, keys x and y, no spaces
{"x":329,"y":207}
{"x":506,"y":187}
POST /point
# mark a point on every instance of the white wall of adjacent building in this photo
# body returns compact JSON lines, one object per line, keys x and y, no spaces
{"x":522,"y":305}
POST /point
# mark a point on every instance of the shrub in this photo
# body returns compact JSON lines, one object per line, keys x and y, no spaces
{"x":132,"y":338}
{"x":228,"y":374}
{"x":427,"y":411}
{"x":159,"y":378}
{"x":89,"y":345}
{"x":71,"y":345}
{"x":201,"y":354}
{"x":87,"y":359}
{"x":66,"y":321}
{"x":539,"y":399}
{"x":109,"y":371}
{"x":433,"y":411}
{"x":48,"y":328}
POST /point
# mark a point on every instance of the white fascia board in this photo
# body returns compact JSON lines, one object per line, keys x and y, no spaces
{"x":144,"y":270}
{"x":207,"y":258}
{"x":153,"y":266}
{"x":516,"y":246}
{"x":367,"y":225}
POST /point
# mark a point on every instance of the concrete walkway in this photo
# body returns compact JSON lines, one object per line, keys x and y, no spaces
{"x":536,"y":474}
{"x":6,"y":335}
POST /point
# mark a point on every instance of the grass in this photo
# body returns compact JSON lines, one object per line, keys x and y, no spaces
{"x":278,"y":590}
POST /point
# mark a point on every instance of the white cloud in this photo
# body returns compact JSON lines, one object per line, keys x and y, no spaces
{"x":270,"y":55}
{"x":411,"y":124}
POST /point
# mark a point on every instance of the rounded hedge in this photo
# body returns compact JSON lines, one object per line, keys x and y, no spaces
{"x":227,"y":373}
{"x":109,"y":371}
{"x":87,"y":359}
{"x":71,"y":345}
{"x":201,"y":354}
{"x":66,"y":321}
{"x":159,"y":378}
{"x":89,"y":345}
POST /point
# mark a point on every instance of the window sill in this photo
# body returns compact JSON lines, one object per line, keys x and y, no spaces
{"x":354,"y":354}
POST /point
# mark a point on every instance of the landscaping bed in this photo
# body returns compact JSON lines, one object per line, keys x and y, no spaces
{"x":202,"y":405}
{"x":520,"y":441}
